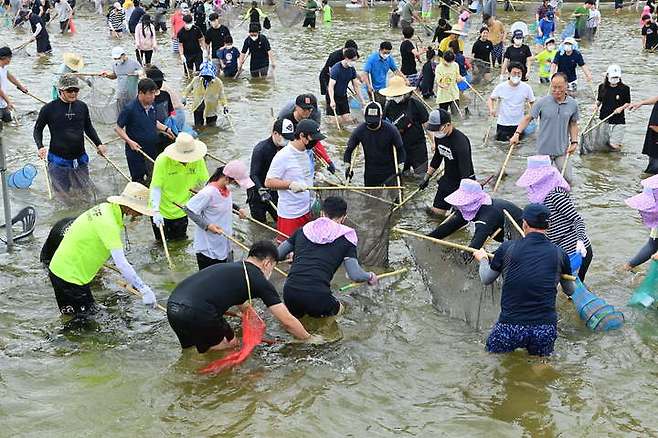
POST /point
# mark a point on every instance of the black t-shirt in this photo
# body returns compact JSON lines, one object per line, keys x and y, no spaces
{"x":135,"y":17}
{"x":518,"y":54}
{"x":36,"y":19}
{"x":314,"y":264}
{"x":456,"y":150}
{"x":189,"y":39}
{"x":408,"y":117}
{"x":218,"y":287}
{"x":261,"y":159}
{"x":482,"y":50}
{"x":488,"y":219}
{"x":408,"y":59}
{"x":612,"y":98}
{"x":334,"y":57}
{"x":163,"y":106}
{"x":651,"y":139}
{"x":217,"y":38}
{"x":377,"y":149}
{"x":427,"y":82}
{"x":259,"y":52}
{"x":651,"y":32}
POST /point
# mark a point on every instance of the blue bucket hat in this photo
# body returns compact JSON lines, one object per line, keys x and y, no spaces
{"x":208,"y":69}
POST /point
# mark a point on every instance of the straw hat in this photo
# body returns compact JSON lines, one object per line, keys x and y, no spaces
{"x":134,"y":196}
{"x":396,"y":87}
{"x":73,"y":61}
{"x":457,"y":32}
{"x":186,"y":149}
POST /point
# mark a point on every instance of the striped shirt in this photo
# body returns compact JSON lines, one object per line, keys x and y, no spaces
{"x":116,"y":19}
{"x":566,"y":225}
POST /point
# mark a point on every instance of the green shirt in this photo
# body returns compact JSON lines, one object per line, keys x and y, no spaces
{"x":544,"y":59}
{"x":584,"y":15}
{"x":87,"y":244}
{"x":175,"y":180}
{"x":311,"y":6}
{"x":327,"y":13}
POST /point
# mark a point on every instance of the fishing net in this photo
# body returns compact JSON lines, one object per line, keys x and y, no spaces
{"x":101,"y":101}
{"x":646,"y":293}
{"x":253,"y":329}
{"x":454,"y":283}
{"x":597,"y":140}
{"x":72,"y":185}
{"x":370,"y":215}
{"x":511,"y":232}
{"x":481,"y":72}
{"x":289,"y":13}
{"x":228,"y":15}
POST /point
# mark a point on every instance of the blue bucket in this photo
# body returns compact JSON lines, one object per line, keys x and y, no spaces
{"x":22,"y":178}
{"x":529,"y":130}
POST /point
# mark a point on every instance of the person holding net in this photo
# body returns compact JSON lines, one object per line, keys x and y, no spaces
{"x":127,"y":72}
{"x":207,"y":92}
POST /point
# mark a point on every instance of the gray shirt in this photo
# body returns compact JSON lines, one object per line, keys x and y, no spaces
{"x":554,"y":119}
{"x":127,"y":78}
{"x":406,"y":12}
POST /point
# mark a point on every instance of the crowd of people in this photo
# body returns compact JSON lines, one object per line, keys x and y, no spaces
{"x":402,"y":107}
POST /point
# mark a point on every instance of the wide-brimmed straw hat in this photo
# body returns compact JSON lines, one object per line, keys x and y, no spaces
{"x":539,"y":167}
{"x":186,"y":149}
{"x":134,"y":196}
{"x":457,"y":32}
{"x":73,"y":61}
{"x":469,"y":191}
{"x":647,"y":199}
{"x":396,"y":87}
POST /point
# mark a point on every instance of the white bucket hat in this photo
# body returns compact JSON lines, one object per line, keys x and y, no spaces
{"x":186,"y":149}
{"x":134,"y":196}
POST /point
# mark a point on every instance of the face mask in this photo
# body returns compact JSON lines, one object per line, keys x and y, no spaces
{"x":281,"y":143}
{"x":310,"y":145}
{"x":613,"y":81}
{"x":518,"y":41}
{"x":188,"y":26}
{"x":568,"y":47}
{"x":351,"y":64}
{"x":374,"y":126}
{"x":253,"y":38}
{"x":398,"y":99}
{"x":440,"y":134}
{"x":385,"y":55}
{"x":515,"y":79}
{"x":550,"y":47}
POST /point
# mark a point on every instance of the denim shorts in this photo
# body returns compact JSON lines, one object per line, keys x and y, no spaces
{"x":537,"y":339}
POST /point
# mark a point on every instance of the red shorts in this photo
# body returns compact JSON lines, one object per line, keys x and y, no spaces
{"x":289,"y":226}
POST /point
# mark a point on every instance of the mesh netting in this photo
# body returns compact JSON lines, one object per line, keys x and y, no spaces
{"x":453,"y":280}
{"x":102,"y":102}
{"x":371,"y":219}
{"x":253,"y":329}
{"x":647,"y":293}
{"x":72,"y":185}
{"x":289,"y":13}
{"x":597,"y":140}
{"x":511,"y":232}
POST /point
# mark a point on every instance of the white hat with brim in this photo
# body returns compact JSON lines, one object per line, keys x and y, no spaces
{"x":186,"y":149}
{"x":396,"y":87}
{"x":117,"y":52}
{"x":73,"y":61}
{"x":134,"y":196}
{"x":457,"y":32}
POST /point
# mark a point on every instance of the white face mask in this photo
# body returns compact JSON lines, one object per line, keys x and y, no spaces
{"x":254,"y":38}
{"x":351,"y":64}
{"x":385,"y":55}
{"x":568,"y":48}
{"x":440,"y":134}
{"x":397,"y":99}
{"x":515,"y":80}
{"x":188,"y":26}
{"x":518,"y":41}
{"x":614,"y":81}
{"x":550,"y":47}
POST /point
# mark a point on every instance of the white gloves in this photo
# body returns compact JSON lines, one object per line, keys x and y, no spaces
{"x":580,"y":248}
{"x":148,"y":297}
{"x":158,"y":220}
{"x":295,"y":187}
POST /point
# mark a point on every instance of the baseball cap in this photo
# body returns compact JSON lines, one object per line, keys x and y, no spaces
{"x":310,"y":127}
{"x":237,"y":170}
{"x":438,"y":118}
{"x":549,"y":41}
{"x":536,"y":216}
{"x":518,"y":33}
{"x":614,"y":71}
{"x":117,"y":52}
{"x":285,"y":128}
{"x":373,"y":112}
{"x":569,"y":40}
{"x":306,"y":101}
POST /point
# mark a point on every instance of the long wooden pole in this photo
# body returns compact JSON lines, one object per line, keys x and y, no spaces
{"x":379,"y":277}
{"x":135,"y":292}
{"x":399,"y":187}
{"x":587,"y":131}
{"x":166,"y":248}
{"x":245,"y":248}
{"x":404,"y":201}
{"x":213,"y":157}
{"x":397,"y":173}
{"x":564,"y":165}
{"x":417,"y":94}
{"x":45,"y":167}
{"x":502,"y":169}
{"x":267,"y":227}
{"x":511,"y":219}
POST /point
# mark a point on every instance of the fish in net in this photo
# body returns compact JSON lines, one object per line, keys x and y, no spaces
{"x":454,"y":283}
{"x":102,"y":102}
{"x":597,"y":140}
{"x":370,"y":215}
{"x":289,"y":13}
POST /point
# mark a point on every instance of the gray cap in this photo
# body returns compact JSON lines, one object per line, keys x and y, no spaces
{"x":438,"y":118}
{"x":67,"y":81}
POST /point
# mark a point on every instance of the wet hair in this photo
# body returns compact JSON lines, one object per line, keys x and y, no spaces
{"x":214,"y":16}
{"x":263,"y":250}
{"x":385,"y":45}
{"x":228,"y":39}
{"x":448,"y":56}
{"x":334,"y":207}
{"x":407,"y":32}
{"x":430,"y":54}
{"x":188,"y":19}
{"x":146,"y":85}
{"x":217,"y":174}
{"x":350,"y":53}
{"x":454,"y":46}
{"x":560,"y":75}
{"x":515,"y":65}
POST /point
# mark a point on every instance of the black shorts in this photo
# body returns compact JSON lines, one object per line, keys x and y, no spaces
{"x":72,"y":299}
{"x":5,"y":115}
{"x":504,"y":133}
{"x":43,"y":45}
{"x":416,"y":157}
{"x":445,"y":188}
{"x":174,"y":229}
{"x":314,"y":304}
{"x":309,"y":21}
{"x":197,"y":328}
{"x":64,"y":25}
{"x":204,"y":261}
{"x":342,"y":105}
{"x":260,"y":72}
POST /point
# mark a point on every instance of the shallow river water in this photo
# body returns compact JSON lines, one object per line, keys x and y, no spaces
{"x":401,"y":369}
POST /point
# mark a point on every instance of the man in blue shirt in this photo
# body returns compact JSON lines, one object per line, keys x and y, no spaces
{"x":228,"y":58}
{"x":138,"y":127}
{"x":531,"y":268}
{"x":376,"y":68}
{"x":340,"y":76}
{"x":566,"y":62}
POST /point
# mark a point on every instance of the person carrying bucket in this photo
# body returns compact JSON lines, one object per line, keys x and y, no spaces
{"x":531,"y":268}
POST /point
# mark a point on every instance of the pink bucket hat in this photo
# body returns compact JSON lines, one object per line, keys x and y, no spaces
{"x":237,"y":170}
{"x":539,"y":167}
{"x":647,"y":199}
{"x":469,"y":191}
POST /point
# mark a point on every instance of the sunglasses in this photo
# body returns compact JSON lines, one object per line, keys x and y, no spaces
{"x":72,"y":90}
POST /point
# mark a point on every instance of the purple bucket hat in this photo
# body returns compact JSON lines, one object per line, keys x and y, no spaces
{"x":540,"y":177}
{"x":646,"y":200}
{"x":468,"y":198}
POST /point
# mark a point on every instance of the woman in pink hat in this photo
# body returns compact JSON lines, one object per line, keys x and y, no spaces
{"x":473,"y":204}
{"x":546,"y":185}
{"x":212,"y":211}
{"x":646,"y":203}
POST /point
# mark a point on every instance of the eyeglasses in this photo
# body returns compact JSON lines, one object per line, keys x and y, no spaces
{"x":72,"y":90}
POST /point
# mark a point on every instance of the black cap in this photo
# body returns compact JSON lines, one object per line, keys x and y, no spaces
{"x":306,"y":101}
{"x":187,"y":19}
{"x":536,"y":216}
{"x":5,"y":52}
{"x":284,"y":127}
{"x":372,"y":113}
{"x":438,"y":118}
{"x":309,"y":127}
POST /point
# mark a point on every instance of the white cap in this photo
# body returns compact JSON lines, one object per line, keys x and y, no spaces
{"x":614,"y":71}
{"x":117,"y":52}
{"x":117,"y":5}
{"x":569,"y":41}
{"x":184,"y":6}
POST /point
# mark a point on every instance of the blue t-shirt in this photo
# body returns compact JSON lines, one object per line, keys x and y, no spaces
{"x":140,"y":125}
{"x":342,"y":76}
{"x":531,"y":270}
{"x":230,"y":60}
{"x":547,"y":27}
{"x":567,"y":63}
{"x":378,"y":69}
